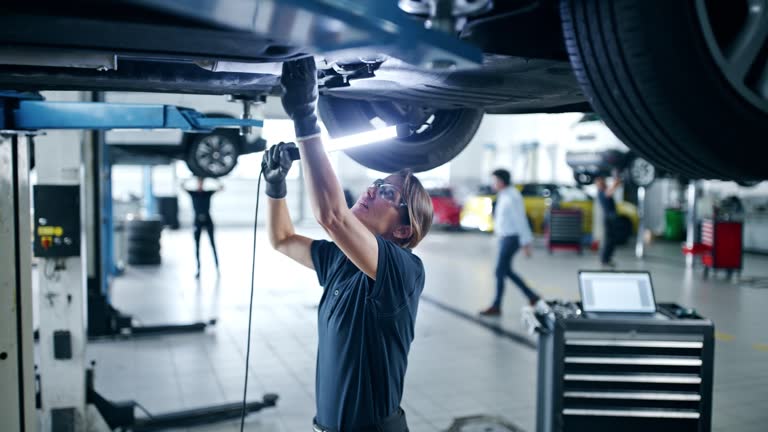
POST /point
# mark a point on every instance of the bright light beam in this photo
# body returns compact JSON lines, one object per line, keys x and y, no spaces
{"x":360,"y":139}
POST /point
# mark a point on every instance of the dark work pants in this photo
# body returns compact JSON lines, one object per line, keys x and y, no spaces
{"x":204,"y":221}
{"x":609,"y":241}
{"x":394,"y":423}
{"x":508,"y":247}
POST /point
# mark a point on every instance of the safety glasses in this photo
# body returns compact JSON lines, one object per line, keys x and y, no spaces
{"x":388,"y":192}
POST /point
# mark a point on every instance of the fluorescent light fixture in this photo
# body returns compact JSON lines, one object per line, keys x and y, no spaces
{"x":360,"y":139}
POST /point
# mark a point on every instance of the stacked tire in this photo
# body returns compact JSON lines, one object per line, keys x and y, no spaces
{"x":144,"y":241}
{"x":168,"y":207}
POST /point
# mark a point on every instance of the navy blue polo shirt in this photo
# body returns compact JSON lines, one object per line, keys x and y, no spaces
{"x":608,"y":203}
{"x":201,"y":200}
{"x":365,"y":329}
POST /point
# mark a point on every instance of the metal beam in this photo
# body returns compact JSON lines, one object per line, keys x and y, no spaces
{"x":34,"y":115}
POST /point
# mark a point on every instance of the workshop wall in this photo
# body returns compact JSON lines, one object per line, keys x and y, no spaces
{"x":504,"y":141}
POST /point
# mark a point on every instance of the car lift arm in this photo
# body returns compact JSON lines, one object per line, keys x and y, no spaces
{"x":30,"y":112}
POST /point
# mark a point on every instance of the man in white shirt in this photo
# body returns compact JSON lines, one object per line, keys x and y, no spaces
{"x":512,"y":228}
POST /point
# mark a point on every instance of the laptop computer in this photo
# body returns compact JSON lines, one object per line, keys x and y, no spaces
{"x":617,"y":294}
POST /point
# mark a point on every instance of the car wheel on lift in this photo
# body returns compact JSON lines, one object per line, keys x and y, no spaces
{"x":214,"y":154}
{"x":583,"y":179}
{"x":641,"y":172}
{"x":437,"y":135}
{"x":681,"y":82}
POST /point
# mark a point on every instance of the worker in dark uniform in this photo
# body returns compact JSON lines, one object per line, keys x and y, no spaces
{"x":201,"y":203}
{"x":371,"y":279}
{"x":608,"y":205}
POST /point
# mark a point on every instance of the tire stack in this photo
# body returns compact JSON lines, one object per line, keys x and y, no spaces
{"x":168,"y":207}
{"x":144,"y":241}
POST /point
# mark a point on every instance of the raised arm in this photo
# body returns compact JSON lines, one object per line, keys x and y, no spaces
{"x":282,"y":235}
{"x":612,"y":190}
{"x":299,"y":81}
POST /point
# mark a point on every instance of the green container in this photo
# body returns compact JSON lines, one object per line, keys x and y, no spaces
{"x":674,"y":224}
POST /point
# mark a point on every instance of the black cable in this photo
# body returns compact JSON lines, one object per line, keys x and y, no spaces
{"x":250,"y":304}
{"x":141,"y":407}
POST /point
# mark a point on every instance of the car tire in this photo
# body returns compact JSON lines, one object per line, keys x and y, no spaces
{"x":144,"y":249}
{"x":649,"y":70}
{"x":428,"y":147}
{"x":213,"y":154}
{"x":144,"y":260}
{"x":583,"y":178}
{"x":641,"y":172}
{"x":144,"y":241}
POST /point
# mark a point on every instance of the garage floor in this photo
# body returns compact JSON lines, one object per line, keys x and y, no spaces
{"x":457,"y":368}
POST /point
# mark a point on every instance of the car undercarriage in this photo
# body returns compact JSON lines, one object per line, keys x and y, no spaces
{"x":378,"y":63}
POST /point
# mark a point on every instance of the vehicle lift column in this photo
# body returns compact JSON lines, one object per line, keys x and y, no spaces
{"x":17,"y":382}
{"x":640,"y":240}
{"x":58,"y":230}
{"x":691,"y":219}
{"x":70,"y":401}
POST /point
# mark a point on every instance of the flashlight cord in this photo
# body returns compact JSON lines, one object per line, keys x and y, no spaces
{"x":250,"y":304}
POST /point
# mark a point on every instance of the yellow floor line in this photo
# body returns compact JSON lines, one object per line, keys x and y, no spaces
{"x":724,"y":337}
{"x":760,"y":347}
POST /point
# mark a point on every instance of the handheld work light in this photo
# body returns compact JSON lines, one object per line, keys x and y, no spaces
{"x":361,"y":139}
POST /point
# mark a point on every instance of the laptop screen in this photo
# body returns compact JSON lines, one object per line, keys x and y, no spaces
{"x":616,"y":292}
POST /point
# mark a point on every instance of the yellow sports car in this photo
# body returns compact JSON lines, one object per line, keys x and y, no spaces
{"x":477,"y":212}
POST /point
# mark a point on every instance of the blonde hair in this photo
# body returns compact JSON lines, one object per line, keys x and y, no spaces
{"x":420,"y":210}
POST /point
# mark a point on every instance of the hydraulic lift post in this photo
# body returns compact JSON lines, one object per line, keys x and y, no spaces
{"x":59,"y":204}
{"x":691,"y":219}
{"x":17,"y":398}
{"x":70,"y":401}
{"x":640,"y":241}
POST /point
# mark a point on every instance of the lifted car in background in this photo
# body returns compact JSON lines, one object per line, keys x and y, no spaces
{"x":682,"y":83}
{"x":447,"y":210}
{"x":596,"y":150}
{"x":477,"y":212}
{"x":211,"y":154}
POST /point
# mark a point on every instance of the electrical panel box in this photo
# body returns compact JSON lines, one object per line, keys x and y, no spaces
{"x":57,"y":221}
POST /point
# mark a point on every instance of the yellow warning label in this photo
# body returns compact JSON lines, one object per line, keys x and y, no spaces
{"x":55,"y":231}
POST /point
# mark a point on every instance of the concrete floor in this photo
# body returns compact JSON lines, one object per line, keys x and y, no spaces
{"x":456,"y":367}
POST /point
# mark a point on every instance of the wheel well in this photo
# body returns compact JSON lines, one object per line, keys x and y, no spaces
{"x":187,"y":137}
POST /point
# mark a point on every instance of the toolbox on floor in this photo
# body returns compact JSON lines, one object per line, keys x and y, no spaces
{"x":623,"y":371}
{"x":723,"y":241}
{"x":565,"y":229}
